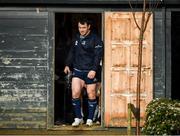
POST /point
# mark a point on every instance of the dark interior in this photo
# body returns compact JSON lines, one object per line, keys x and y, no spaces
{"x":65,"y":30}
{"x":175,"y":30}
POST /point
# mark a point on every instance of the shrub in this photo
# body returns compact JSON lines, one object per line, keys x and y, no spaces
{"x":162,"y":117}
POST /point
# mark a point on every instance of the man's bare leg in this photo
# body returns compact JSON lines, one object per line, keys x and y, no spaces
{"x":92,"y":102}
{"x":77,"y":85}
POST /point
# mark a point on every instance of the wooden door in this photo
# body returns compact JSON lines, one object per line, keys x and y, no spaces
{"x":121,"y":52}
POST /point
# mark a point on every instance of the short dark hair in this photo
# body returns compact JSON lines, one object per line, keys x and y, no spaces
{"x":84,"y":20}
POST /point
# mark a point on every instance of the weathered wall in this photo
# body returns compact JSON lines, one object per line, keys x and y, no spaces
{"x":159,"y":54}
{"x":23,"y":69}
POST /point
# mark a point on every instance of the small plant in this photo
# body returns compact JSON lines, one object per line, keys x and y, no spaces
{"x":162,"y":117}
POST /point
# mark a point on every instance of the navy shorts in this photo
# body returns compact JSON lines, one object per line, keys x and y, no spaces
{"x":83,"y":75}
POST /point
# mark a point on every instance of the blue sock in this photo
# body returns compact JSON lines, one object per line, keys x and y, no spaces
{"x":76,"y":103}
{"x":91,"y":108}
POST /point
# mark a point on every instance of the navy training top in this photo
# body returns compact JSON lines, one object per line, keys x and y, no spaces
{"x":85,"y":53}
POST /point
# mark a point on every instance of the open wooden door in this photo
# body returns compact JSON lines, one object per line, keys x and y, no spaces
{"x":121,"y":62}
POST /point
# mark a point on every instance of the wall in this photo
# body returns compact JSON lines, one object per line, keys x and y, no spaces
{"x":159,"y":54}
{"x":23,"y":69}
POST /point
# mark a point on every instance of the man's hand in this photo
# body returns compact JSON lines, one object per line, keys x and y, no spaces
{"x":91,"y":74}
{"x":67,"y":70}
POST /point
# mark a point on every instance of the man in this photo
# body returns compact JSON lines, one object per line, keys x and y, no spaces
{"x":84,"y":58}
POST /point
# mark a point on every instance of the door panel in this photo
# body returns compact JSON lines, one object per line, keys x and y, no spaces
{"x":121,"y":65}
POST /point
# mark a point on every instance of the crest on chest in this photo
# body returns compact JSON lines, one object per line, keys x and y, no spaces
{"x":83,"y":42}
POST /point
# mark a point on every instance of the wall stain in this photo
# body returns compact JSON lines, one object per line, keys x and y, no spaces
{"x":6,"y":61}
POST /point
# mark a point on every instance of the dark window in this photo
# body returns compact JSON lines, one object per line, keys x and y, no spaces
{"x":175,"y":30}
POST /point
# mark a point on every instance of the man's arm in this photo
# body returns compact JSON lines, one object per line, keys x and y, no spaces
{"x":98,"y":53}
{"x":67,"y":70}
{"x":69,"y":60}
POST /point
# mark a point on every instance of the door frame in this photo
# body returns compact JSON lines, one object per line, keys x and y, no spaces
{"x":51,"y":50}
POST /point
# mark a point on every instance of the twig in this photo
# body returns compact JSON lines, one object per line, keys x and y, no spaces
{"x":134,"y":16}
{"x":147,"y":20}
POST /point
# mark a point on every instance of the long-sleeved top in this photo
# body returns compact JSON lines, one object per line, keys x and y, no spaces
{"x":85,"y":53}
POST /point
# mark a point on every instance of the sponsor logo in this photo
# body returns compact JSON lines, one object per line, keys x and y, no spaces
{"x":95,"y":79}
{"x":76,"y":43}
{"x":98,"y":46}
{"x":83,"y":42}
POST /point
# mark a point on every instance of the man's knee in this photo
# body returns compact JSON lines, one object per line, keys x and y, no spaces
{"x":91,"y":93}
{"x":76,"y":93}
{"x":91,"y":96}
{"x":77,"y":85}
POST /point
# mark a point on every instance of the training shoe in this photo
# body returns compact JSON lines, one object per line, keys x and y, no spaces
{"x":77,"y":122}
{"x":89,"y":122}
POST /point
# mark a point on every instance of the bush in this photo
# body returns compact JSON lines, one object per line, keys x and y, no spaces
{"x":162,"y":117}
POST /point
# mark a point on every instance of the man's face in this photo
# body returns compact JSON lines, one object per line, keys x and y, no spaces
{"x":83,"y":29}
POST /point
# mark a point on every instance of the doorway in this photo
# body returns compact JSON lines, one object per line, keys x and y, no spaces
{"x":65,"y":30}
{"x":175,"y":55}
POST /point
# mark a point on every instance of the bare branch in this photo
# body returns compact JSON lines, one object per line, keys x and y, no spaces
{"x":144,"y":6}
{"x":154,"y":6}
{"x":134,"y":17}
{"x":130,"y":5}
{"x":157,"y":4}
{"x":147,"y":20}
